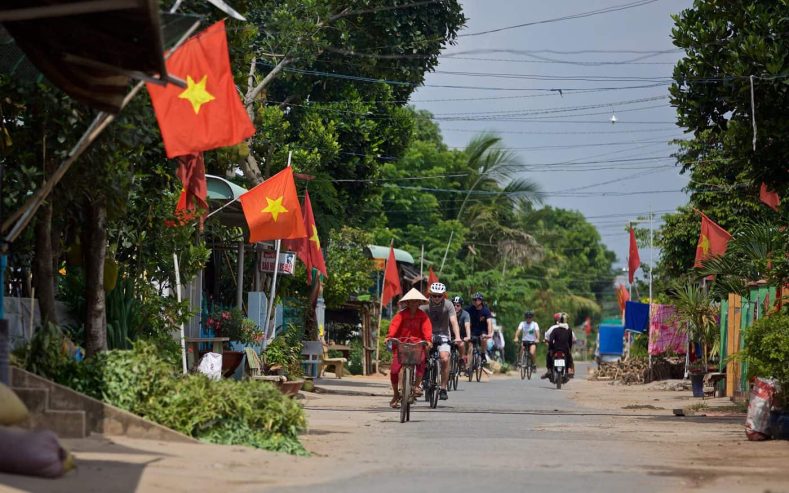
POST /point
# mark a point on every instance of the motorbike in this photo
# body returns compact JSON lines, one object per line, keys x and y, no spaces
{"x":559,"y":374}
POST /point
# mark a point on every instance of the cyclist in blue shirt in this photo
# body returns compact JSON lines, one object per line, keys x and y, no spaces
{"x":481,"y":322}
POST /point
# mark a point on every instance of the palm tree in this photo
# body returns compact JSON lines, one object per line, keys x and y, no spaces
{"x":698,"y":314}
{"x":493,"y":166}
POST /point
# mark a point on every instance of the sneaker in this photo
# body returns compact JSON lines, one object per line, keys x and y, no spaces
{"x":442,"y":394}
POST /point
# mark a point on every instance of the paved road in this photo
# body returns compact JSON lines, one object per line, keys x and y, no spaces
{"x":499,"y":435}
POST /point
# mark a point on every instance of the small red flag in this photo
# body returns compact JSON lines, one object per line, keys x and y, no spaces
{"x":588,"y":326}
{"x":308,"y":248}
{"x":768,"y":197}
{"x":184,"y":212}
{"x":712,"y":241}
{"x":431,"y":276}
{"x":634,"y":261}
{"x":391,"y":279}
{"x":208,"y":113}
{"x":622,"y":297}
{"x":272,"y":209}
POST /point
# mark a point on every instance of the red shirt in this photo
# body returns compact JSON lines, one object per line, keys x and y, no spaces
{"x":416,"y":326}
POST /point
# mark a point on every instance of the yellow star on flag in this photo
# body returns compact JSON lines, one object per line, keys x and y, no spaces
{"x":704,"y":244}
{"x":196,"y":93}
{"x":315,"y":238}
{"x":275,"y":207}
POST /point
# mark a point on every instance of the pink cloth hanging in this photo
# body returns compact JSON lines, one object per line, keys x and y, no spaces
{"x":664,"y":334}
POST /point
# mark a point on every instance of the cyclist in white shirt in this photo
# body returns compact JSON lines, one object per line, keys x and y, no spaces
{"x":529,"y":331}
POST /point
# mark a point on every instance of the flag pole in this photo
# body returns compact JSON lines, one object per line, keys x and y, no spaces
{"x":380,"y":315}
{"x":178,"y":297}
{"x":270,"y":314}
{"x":451,"y":233}
{"x":422,"y":263}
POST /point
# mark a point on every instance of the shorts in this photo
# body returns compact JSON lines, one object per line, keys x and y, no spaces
{"x":441,"y":343}
{"x":528,"y":344}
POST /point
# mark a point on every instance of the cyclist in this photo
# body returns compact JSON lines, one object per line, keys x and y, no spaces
{"x":445,"y":328}
{"x":410,"y":323}
{"x":559,"y":338}
{"x":529,"y":331}
{"x":464,"y":322}
{"x":481,"y":322}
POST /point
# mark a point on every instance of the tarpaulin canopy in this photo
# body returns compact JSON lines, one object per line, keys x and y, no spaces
{"x":91,"y":49}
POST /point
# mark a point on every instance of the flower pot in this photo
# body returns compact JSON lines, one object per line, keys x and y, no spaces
{"x":291,"y":387}
{"x":697,"y":384}
{"x":230,"y":361}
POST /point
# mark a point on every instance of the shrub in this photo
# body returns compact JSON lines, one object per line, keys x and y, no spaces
{"x":767,"y":351}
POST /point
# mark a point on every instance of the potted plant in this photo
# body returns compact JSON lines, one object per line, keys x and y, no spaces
{"x":233,"y":325}
{"x":698,"y":315}
{"x":284,"y":352}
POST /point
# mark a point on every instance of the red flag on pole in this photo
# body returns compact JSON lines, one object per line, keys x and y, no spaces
{"x":208,"y":113}
{"x":309,"y":247}
{"x":768,"y":197}
{"x":391,"y":279}
{"x":272,"y":209}
{"x":431,"y":276}
{"x":634,"y":261}
{"x":622,"y":297}
{"x":712,"y":241}
{"x":588,"y":326}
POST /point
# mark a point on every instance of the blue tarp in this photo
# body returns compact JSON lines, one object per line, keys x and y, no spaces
{"x":636,"y":316}
{"x":612,"y":339}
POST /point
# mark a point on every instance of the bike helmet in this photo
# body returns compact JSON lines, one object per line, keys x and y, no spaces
{"x":529,"y":313}
{"x":477,"y":296}
{"x":557,"y":316}
{"x":457,"y":300}
{"x":438,"y":288}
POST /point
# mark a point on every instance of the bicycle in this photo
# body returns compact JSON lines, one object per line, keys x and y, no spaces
{"x":432,"y":377}
{"x":526,"y":364}
{"x":454,"y":368}
{"x":410,"y":355}
{"x":475,"y":369}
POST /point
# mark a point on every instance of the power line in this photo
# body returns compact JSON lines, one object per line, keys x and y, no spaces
{"x":579,"y":15}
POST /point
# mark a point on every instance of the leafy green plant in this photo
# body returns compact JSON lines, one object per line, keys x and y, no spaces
{"x":767,"y":351}
{"x":285,"y":351}
{"x":698,"y":315}
{"x":123,"y":315}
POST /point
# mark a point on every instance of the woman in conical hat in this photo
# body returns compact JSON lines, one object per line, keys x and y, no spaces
{"x":409,"y":325}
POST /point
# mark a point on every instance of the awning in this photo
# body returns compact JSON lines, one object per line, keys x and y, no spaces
{"x":89,"y":49}
{"x":220,"y":192}
{"x":382,"y":252}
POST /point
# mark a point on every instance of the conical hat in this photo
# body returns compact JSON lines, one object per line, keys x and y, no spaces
{"x":414,"y":294}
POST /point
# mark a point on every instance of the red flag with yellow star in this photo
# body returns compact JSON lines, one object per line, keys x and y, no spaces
{"x":712,"y":241}
{"x":272,"y":209}
{"x":308,"y":249}
{"x":208,"y":113}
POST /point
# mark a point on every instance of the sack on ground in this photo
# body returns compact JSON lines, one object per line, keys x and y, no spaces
{"x":757,"y":423}
{"x":211,"y":366}
{"x":33,"y":453}
{"x":12,"y":410}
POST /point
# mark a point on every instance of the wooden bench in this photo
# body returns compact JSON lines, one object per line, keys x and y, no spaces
{"x":336,"y":364}
{"x":255,"y":368}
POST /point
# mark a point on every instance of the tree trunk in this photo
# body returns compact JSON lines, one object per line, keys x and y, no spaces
{"x":95,"y":252}
{"x":43,"y":268}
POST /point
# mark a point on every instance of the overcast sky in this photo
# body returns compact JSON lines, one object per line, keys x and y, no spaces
{"x":612,"y":173}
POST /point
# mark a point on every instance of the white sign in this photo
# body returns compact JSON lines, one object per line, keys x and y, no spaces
{"x":286,"y":265}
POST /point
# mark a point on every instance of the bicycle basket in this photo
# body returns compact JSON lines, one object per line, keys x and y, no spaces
{"x":409,"y":354}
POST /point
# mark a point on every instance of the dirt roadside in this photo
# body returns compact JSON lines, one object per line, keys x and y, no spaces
{"x":707,"y":447}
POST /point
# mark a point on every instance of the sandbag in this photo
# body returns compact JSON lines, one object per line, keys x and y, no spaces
{"x":33,"y":453}
{"x":757,"y":423}
{"x":12,"y":410}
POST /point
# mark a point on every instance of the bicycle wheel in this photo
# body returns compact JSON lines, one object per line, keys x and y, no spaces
{"x":405,"y":394}
{"x":529,"y":367}
{"x":523,"y":364}
{"x":478,"y":366}
{"x":470,"y":368}
{"x":434,"y":385}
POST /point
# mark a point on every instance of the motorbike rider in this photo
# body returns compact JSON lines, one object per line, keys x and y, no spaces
{"x":560,"y":338}
{"x":445,"y":328}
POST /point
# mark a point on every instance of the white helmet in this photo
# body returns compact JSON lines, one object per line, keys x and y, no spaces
{"x":438,"y":288}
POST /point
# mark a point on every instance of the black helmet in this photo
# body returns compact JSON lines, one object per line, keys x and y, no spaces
{"x":477,"y":296}
{"x":457,"y":300}
{"x":529,"y":313}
